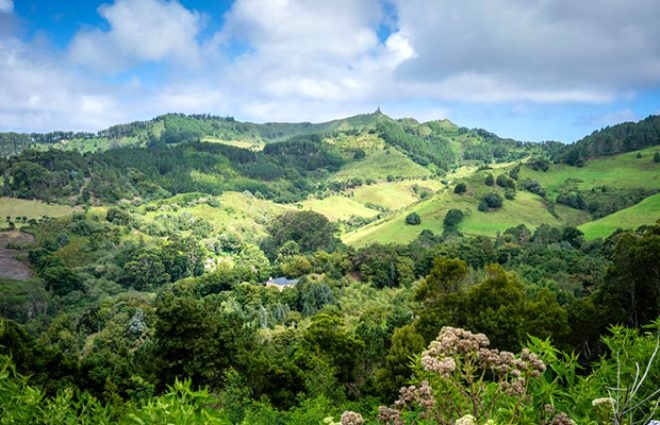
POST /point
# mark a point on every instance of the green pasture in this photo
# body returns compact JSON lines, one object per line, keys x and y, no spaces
{"x":394,"y":195}
{"x":338,"y":207}
{"x":253,"y":145}
{"x":645,"y":212}
{"x":12,"y":207}
{"x":621,"y":171}
{"x":527,"y":209}
{"x":379,"y":165}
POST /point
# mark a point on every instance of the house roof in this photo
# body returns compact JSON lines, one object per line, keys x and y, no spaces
{"x":282,"y":281}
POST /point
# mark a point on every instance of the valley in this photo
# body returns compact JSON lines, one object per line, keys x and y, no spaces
{"x":134,"y":267}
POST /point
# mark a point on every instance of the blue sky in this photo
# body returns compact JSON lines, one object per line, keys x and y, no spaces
{"x":527,"y":69}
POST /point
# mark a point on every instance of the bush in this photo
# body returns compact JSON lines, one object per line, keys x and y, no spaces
{"x":460,"y":188}
{"x":413,"y":218}
{"x":533,"y":186}
{"x":490,"y":180}
{"x":117,"y":216}
{"x":510,"y":194}
{"x":515,"y":171}
{"x":491,"y":201}
{"x":452,"y":218}
{"x":573,"y":200}
{"x":537,"y":164}
{"x":656,"y":157}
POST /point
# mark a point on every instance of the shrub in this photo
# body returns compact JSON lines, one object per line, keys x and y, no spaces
{"x":537,"y":164}
{"x":460,"y":188}
{"x":490,"y":180}
{"x":504,"y":181}
{"x":452,"y":218}
{"x":573,"y":200}
{"x":533,"y":186}
{"x":413,"y":219}
{"x":515,"y":171}
{"x":490,"y":201}
{"x":117,"y":216}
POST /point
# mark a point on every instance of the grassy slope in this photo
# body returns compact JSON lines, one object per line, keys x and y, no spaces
{"x":526,"y":209}
{"x":390,"y":195}
{"x":646,"y":212}
{"x":621,"y":171}
{"x":338,"y":207}
{"x":31,"y":209}
{"x":252,"y":145}
{"x":394,"y":195}
{"x":378,"y":165}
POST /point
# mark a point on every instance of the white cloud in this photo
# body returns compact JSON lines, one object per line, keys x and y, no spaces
{"x":539,"y":51}
{"x":309,"y":60}
{"x":38,"y":92}
{"x":6,"y":6}
{"x":140,"y":31}
{"x":322,"y":58}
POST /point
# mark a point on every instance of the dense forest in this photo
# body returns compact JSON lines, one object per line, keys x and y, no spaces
{"x":158,"y":300}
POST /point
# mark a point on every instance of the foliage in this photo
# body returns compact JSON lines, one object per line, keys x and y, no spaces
{"x":491,"y":201}
{"x":472,"y":378}
{"x":452,"y":219}
{"x":152,"y":308}
{"x":413,"y":218}
{"x":310,"y":230}
{"x":619,"y":138}
{"x":460,"y":188}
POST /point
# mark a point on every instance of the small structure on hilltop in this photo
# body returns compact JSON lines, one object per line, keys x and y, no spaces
{"x":281,"y":282}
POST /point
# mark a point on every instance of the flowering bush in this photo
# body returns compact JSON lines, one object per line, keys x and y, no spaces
{"x":467,"y":382}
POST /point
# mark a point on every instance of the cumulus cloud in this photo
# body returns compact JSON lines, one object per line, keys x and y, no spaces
{"x":310,"y":60}
{"x":325,"y":58}
{"x":539,"y":50}
{"x":39,"y":93}
{"x":140,"y":31}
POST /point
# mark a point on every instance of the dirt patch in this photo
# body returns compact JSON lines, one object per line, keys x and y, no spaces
{"x":10,"y":265}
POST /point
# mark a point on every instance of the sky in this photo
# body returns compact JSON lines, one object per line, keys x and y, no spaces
{"x":527,"y":69}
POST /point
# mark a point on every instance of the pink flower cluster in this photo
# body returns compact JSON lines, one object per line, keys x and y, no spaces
{"x":455,"y":343}
{"x":351,"y":418}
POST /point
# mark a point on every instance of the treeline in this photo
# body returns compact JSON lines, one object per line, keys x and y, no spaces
{"x":160,"y":171}
{"x":620,"y":138}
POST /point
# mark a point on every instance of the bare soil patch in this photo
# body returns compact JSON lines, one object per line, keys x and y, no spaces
{"x":10,"y":266}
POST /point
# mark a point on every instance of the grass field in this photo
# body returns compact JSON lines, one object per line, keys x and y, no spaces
{"x":394,"y":195}
{"x":393,"y":229}
{"x":379,"y":165}
{"x":252,"y":145}
{"x":527,"y":209}
{"x":338,"y":207}
{"x":646,"y":212}
{"x":620,"y":171}
{"x":12,"y":207}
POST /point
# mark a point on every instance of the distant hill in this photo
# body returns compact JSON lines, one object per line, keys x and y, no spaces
{"x":366,"y":170}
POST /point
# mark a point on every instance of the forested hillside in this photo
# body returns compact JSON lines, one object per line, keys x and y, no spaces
{"x":197,"y":269}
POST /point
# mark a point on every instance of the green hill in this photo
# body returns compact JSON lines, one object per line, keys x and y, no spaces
{"x":355,"y":170}
{"x":646,"y":212}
